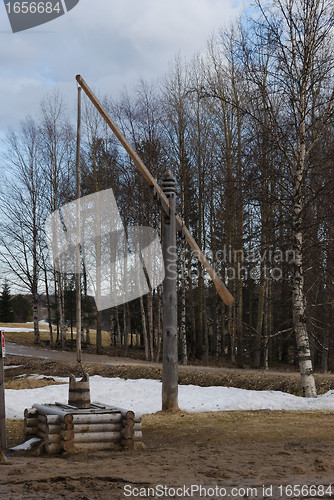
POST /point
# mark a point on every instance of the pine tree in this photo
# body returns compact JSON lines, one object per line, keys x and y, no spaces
{"x":6,"y":309}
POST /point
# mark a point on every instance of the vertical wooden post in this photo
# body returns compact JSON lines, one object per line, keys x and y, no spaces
{"x":170,"y":338}
{"x":78,"y":226}
{"x":3,"y":439}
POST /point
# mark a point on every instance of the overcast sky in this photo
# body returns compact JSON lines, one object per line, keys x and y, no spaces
{"x":110,"y":43}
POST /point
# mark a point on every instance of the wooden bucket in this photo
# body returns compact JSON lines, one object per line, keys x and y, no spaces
{"x":79,"y":392}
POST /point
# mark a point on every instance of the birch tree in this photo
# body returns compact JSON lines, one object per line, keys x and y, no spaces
{"x":301,"y":31}
{"x":57,"y":155}
{"x":23,"y":215}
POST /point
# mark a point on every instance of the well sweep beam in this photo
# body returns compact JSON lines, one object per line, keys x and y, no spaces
{"x":220,"y":287}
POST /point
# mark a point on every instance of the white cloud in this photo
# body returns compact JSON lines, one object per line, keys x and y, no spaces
{"x":110,"y":43}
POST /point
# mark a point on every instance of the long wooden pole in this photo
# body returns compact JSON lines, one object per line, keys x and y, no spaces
{"x":3,"y":438}
{"x":78,"y":226}
{"x":169,"y":301}
{"x":220,"y":287}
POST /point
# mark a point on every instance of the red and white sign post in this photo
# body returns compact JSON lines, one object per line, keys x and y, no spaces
{"x":3,"y":439}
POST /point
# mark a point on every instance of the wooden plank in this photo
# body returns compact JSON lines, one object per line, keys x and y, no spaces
{"x":124,"y":412}
{"x":49,"y":419}
{"x":96,"y":446}
{"x":49,"y":438}
{"x":66,"y":406}
{"x":53,"y":410}
{"x":220,"y":287}
{"x":96,"y":427}
{"x":98,"y":419}
{"x":48,"y":429}
{"x":95,"y":437}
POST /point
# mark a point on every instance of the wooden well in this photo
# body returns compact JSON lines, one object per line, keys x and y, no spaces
{"x":62,"y":427}
{"x":79,"y":392}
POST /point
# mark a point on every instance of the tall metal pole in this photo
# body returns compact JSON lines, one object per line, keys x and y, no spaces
{"x":169,"y":300}
{"x":78,"y":226}
{"x":3,"y":438}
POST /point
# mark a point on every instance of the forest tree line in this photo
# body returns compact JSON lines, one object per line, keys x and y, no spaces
{"x":247,"y":129}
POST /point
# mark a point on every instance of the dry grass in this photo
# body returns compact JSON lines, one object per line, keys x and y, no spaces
{"x":21,"y":325}
{"x":14,"y":432}
{"x":224,"y":427}
{"x":24,"y":338}
{"x":30,"y":383}
{"x":27,"y":338}
{"x":239,"y":427}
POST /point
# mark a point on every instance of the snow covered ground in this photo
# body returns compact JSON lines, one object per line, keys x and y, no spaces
{"x":9,"y":329}
{"x":25,"y":329}
{"x":144,"y":396}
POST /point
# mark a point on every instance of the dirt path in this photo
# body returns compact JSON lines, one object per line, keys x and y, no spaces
{"x":70,"y":356}
{"x":52,"y":362}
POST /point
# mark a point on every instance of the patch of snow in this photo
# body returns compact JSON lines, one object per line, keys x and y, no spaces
{"x":41,"y":322}
{"x":9,"y":329}
{"x":144,"y":396}
{"x":27,"y":445}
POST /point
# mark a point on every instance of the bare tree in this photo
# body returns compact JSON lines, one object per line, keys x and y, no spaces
{"x":301,"y":32}
{"x":57,"y":145}
{"x":23,"y":214}
{"x":176,"y":123}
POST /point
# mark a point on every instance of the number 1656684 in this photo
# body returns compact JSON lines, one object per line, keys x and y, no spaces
{"x":305,"y":490}
{"x":33,"y":8}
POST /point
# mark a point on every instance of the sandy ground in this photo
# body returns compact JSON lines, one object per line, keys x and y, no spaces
{"x":259,"y":454}
{"x":111,"y":475}
{"x":247,"y":450}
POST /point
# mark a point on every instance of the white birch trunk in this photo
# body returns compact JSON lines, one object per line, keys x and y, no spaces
{"x":298,"y":296}
{"x":183,"y":332}
{"x":150,"y":323}
{"x":60,"y":303}
{"x":119,"y":335}
{"x":35,"y":318}
{"x":143,"y":320}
